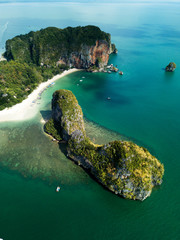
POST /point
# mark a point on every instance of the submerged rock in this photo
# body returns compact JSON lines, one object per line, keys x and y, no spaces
{"x":171,"y":67}
{"x":121,"y":166}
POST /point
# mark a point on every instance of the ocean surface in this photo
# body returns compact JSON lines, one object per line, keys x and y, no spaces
{"x":144,"y":108}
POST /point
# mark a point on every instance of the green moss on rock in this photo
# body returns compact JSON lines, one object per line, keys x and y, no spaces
{"x":68,"y":114}
{"x":121,"y":166}
{"x":53,"y":129}
{"x":52,"y":44}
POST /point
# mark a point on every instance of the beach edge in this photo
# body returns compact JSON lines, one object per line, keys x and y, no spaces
{"x":25,"y":110}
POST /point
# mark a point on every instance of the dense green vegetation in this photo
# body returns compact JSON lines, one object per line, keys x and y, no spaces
{"x":53,"y":129}
{"x":47,"y":45}
{"x":122,"y":166}
{"x":18,"y":80}
{"x":33,"y":58}
{"x":71,"y":112}
{"x":119,"y":164}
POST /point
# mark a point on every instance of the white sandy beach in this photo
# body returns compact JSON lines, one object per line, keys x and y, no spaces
{"x":27,"y":109}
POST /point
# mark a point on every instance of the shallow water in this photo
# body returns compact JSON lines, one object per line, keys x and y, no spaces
{"x":144,"y":108}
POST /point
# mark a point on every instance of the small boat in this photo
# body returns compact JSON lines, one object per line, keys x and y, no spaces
{"x":58,"y":189}
{"x":109,"y":71}
{"x":108,"y":98}
{"x":81,"y":80}
{"x":121,"y":73}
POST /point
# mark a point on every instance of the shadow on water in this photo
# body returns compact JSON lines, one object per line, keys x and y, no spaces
{"x":102,"y":135}
{"x":32,"y":154}
{"x":46,"y":114}
{"x":63,"y":148}
{"x":97,"y":134}
{"x":169,"y":75}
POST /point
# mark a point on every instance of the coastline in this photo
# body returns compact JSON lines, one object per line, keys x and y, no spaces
{"x":28,"y":108}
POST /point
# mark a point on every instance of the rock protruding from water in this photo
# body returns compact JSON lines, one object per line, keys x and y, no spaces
{"x":79,"y":47}
{"x":121,"y":166}
{"x":171,"y":67}
{"x":67,"y":114}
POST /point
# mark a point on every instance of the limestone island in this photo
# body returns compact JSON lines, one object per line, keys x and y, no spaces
{"x":80,"y":47}
{"x":170,"y":67}
{"x":121,"y":166}
{"x":35,"y":57}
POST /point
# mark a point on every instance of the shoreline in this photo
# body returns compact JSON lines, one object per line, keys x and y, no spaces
{"x":27,"y":109}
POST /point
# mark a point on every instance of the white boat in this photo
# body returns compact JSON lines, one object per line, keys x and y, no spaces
{"x":58,"y":189}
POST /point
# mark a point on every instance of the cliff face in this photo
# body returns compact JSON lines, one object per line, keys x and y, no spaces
{"x":79,"y":47}
{"x":67,"y":114}
{"x":123,"y":167}
{"x":87,"y":56}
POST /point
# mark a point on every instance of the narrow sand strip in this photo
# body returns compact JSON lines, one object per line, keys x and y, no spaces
{"x":28,"y":109}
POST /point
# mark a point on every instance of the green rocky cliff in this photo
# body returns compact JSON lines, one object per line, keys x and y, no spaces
{"x":79,"y":47}
{"x":38,"y":56}
{"x":122,"y":167}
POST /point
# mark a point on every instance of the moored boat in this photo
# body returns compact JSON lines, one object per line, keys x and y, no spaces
{"x":58,"y":189}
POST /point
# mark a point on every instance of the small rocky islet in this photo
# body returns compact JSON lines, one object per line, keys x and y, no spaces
{"x":121,"y":166}
{"x":170,"y":67}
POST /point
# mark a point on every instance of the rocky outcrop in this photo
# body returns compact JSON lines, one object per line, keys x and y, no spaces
{"x":67,"y":114}
{"x":80,"y":47}
{"x":170,"y":67}
{"x":97,"y":54}
{"x":122,"y":167}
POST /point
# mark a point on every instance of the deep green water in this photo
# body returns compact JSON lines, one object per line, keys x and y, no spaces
{"x":144,"y":107}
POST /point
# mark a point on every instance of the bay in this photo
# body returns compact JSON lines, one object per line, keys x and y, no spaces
{"x":144,"y":108}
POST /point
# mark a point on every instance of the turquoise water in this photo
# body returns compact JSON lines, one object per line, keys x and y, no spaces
{"x":144,"y":108}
